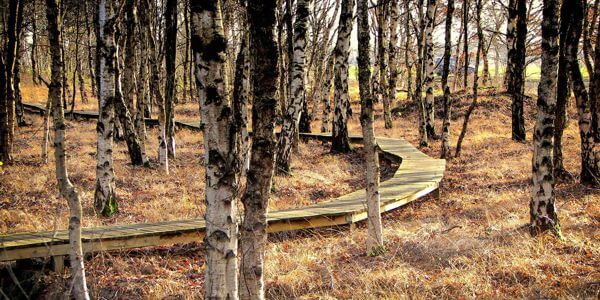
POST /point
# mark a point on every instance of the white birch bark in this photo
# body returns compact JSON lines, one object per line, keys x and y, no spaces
{"x":209,"y":47}
{"x":104,"y":196}
{"x":67,"y":190}
{"x":341,"y":141}
{"x":297,"y":89}
{"x":375,"y":230}
{"x":429,"y":69}
{"x":542,"y":209}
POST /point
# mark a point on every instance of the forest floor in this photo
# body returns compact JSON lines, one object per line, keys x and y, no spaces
{"x":471,"y":243}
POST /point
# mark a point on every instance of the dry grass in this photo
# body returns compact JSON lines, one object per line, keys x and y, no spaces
{"x":469,"y":244}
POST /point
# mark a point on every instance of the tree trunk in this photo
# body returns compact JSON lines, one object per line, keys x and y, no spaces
{"x":105,"y":199}
{"x":34,"y":43}
{"x":293,"y":111}
{"x":264,"y":54}
{"x":590,"y":169}
{"x":382,"y":59}
{"x":407,"y":46}
{"x":511,"y":43}
{"x":341,"y":140}
{"x":67,"y":190}
{"x":541,"y":208}
{"x":7,"y":102}
{"x":516,"y":80}
{"x":445,"y":87}
{"x":91,"y":69}
{"x":466,"y":40}
{"x":393,"y":58}
{"x":46,"y":133}
{"x":562,"y":98}
{"x":423,"y":140}
{"x":154,"y":63}
{"x":170,"y":58}
{"x":143,"y":88}
{"x":595,"y":89}
{"x":209,"y":47}
{"x":326,"y":93}
{"x":429,"y":69}
{"x":375,"y":231}
{"x":241,"y":93}
{"x":473,"y":105}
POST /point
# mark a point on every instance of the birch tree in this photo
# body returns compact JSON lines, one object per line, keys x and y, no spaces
{"x":289,"y":129}
{"x":375,"y":232}
{"x":326,"y":93}
{"x":341,"y":140}
{"x":445,"y":87}
{"x":475,"y":87}
{"x":429,"y":68}
{"x":563,"y":93}
{"x":220,"y":158}
{"x":382,"y":59}
{"x":393,"y":58}
{"x":590,"y":156}
{"x":170,"y":58}
{"x":516,"y":81}
{"x":264,"y":58}
{"x":542,"y":209}
{"x":67,"y":190}
{"x":105,"y":199}
{"x":7,"y":88}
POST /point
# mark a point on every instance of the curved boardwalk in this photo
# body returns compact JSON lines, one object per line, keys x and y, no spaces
{"x":417,"y":175}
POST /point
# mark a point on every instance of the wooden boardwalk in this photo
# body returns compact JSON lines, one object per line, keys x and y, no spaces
{"x":417,"y":175}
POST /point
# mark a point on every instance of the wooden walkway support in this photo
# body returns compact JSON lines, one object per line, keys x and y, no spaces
{"x":417,"y":175}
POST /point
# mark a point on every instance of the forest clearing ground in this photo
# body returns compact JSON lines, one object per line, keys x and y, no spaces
{"x":470,"y":243}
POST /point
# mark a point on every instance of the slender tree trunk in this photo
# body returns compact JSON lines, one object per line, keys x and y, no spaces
{"x":91,"y":64}
{"x":375,"y":231}
{"x":170,"y":58}
{"x":34,"y":43}
{"x":46,"y":133}
{"x":562,"y":98}
{"x":466,"y":40}
{"x":292,"y":116}
{"x":517,"y":79}
{"x":326,"y":92}
{"x":104,"y":197}
{"x":67,"y":190}
{"x":393,"y":57}
{"x":445,"y":87}
{"x":595,"y":88}
{"x":7,"y":102}
{"x":407,"y":51}
{"x":143,"y":89}
{"x":423,"y":140}
{"x":429,"y":69}
{"x":382,"y":59}
{"x":457,"y":56}
{"x":341,"y":140}
{"x":186,"y":50}
{"x":209,"y":47}
{"x":511,"y":43}
{"x":586,"y":43}
{"x":542,"y":209}
{"x":264,"y":58}
{"x":241,"y":93}
{"x":473,"y":105}
{"x":154,"y":63}
{"x":590,"y":158}
{"x":20,"y":121}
